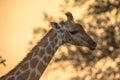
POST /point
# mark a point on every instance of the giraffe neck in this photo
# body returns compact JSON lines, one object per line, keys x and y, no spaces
{"x":34,"y":64}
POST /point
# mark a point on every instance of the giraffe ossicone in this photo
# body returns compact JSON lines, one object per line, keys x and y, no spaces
{"x":36,"y":61}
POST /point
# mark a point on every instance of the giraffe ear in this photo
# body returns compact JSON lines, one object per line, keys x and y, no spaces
{"x":69,"y":16}
{"x":54,"y":25}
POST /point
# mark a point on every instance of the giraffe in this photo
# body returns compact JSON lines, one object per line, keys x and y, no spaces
{"x":36,"y":61}
{"x":77,"y":33}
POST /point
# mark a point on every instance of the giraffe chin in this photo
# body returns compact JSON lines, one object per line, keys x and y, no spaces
{"x":88,"y":46}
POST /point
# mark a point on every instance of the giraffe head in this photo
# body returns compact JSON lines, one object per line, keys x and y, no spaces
{"x":73,"y":33}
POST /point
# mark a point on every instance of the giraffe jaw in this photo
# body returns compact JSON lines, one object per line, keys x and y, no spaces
{"x":90,"y":46}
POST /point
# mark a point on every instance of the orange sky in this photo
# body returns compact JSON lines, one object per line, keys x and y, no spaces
{"x":17,"y":20}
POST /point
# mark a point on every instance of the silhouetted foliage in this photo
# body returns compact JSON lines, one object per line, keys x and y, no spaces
{"x":2,"y":61}
{"x":102,"y":6}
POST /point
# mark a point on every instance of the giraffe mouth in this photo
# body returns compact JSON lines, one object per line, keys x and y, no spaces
{"x":92,"y":46}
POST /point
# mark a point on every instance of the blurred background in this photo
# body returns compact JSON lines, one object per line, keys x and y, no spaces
{"x":24,"y":22}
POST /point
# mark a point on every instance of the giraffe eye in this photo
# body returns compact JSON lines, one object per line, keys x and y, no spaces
{"x":73,"y":32}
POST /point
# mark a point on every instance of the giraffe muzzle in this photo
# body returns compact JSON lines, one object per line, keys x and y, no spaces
{"x":93,"y":46}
